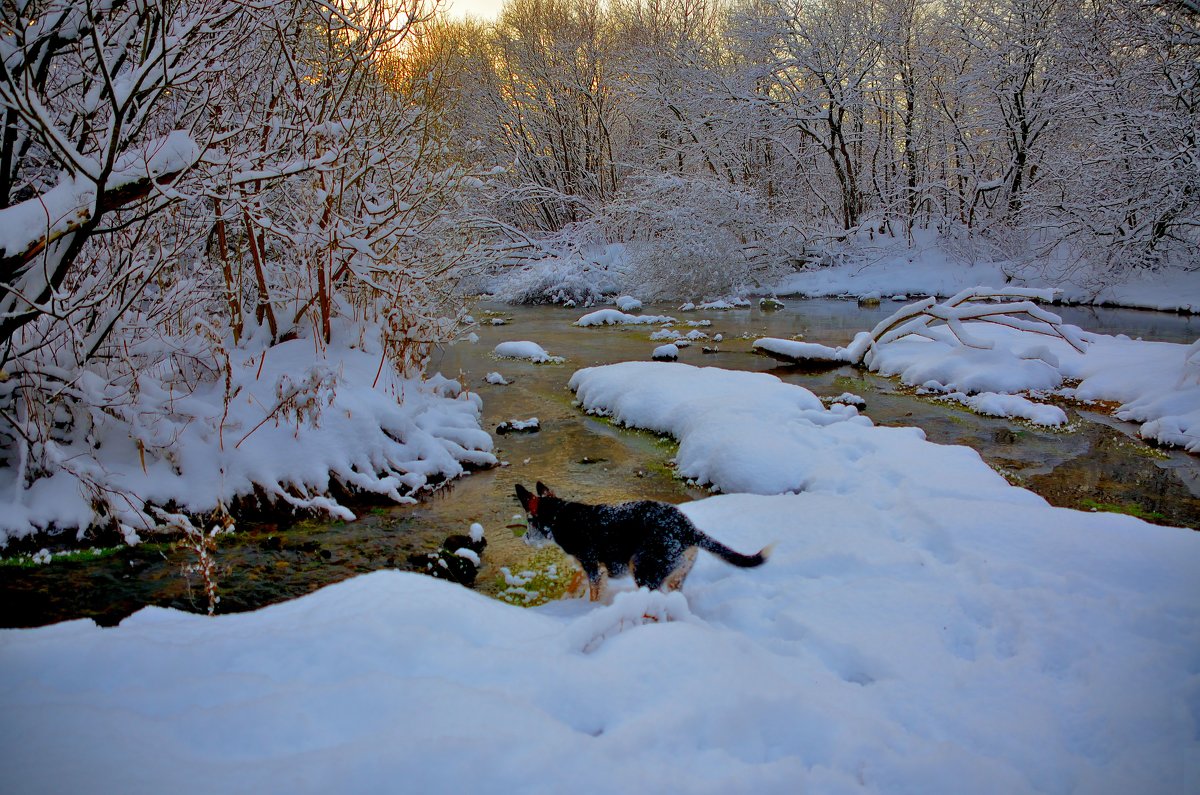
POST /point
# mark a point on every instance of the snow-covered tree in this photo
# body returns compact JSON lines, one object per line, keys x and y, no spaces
{"x":185,"y":187}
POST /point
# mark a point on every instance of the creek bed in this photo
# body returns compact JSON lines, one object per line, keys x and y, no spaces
{"x":1095,"y":466}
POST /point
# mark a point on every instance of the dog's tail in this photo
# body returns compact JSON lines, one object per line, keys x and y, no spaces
{"x":733,"y":556}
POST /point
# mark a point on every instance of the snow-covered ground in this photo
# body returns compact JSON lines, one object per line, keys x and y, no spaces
{"x":930,"y":267}
{"x":921,"y":627}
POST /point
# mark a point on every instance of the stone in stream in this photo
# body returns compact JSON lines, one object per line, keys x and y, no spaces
{"x":531,"y":425}
{"x":457,"y":560}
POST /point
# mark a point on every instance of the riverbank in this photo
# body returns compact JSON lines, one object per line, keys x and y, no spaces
{"x":888,"y":268}
{"x":289,"y":426}
{"x":877,"y":267}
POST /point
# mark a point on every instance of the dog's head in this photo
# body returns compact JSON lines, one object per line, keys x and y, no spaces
{"x":540,"y":509}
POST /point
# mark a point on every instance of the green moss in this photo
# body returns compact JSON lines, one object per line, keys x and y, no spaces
{"x":1012,"y":477}
{"x":662,"y":440}
{"x":72,"y":556}
{"x":1128,"y":508}
{"x":1144,"y":451}
{"x":850,"y":384}
{"x":545,"y":577}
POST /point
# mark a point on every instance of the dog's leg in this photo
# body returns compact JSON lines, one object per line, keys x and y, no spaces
{"x":675,"y":579}
{"x":595,"y":575}
{"x":597,"y":582}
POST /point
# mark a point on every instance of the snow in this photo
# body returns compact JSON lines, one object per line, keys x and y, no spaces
{"x":732,"y":302}
{"x":496,"y":379}
{"x":731,"y":425}
{"x":922,"y":626}
{"x":517,"y":426}
{"x":999,"y":405}
{"x":468,"y":554}
{"x":627,"y":303}
{"x":794,"y":349}
{"x":849,"y":398}
{"x":523,"y":349}
{"x":613,"y":317}
{"x":1023,"y":348}
{"x":668,"y":351}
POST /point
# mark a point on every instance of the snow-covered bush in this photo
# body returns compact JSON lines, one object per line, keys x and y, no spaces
{"x":571,"y":280}
{"x":691,"y":235}
{"x":569,"y":269}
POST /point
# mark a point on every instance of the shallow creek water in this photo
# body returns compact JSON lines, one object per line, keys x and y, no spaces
{"x":1096,"y":465}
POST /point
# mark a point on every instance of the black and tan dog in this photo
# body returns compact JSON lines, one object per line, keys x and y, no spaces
{"x":653,"y":540}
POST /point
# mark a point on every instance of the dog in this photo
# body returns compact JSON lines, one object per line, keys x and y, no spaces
{"x":653,"y":540}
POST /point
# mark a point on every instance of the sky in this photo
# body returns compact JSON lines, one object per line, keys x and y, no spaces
{"x":484,"y":9}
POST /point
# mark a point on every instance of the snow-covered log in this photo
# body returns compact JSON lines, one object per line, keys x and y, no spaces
{"x":967,"y":305}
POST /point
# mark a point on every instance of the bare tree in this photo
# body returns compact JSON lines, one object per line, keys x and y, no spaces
{"x":181,"y":178}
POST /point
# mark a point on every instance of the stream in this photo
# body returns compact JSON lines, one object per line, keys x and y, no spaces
{"x":1096,"y":465}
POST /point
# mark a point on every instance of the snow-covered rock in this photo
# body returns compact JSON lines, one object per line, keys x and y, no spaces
{"x":666,"y":353}
{"x":524,"y":349}
{"x":531,"y":425}
{"x":613,"y":317}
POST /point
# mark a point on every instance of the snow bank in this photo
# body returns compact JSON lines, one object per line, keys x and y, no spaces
{"x":523,"y":349}
{"x":751,"y":432}
{"x":998,"y":405}
{"x":613,"y":317}
{"x":921,"y":627}
{"x":1155,"y":383}
{"x":295,"y":420}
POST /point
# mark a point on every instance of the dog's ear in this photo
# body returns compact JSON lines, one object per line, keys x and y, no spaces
{"x":528,"y":501}
{"x":523,"y":495}
{"x":543,"y":490}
